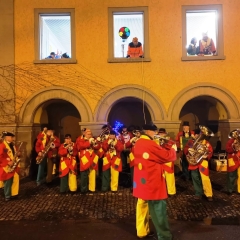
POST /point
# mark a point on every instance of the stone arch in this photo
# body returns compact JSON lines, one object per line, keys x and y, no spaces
{"x":30,"y":106}
{"x":152,"y":102}
{"x":205,"y":89}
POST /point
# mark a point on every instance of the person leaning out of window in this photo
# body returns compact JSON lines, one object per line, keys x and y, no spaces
{"x":135,"y":49}
{"x":192,"y":48}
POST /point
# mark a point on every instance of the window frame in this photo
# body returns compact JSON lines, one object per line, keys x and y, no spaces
{"x":219,"y":41}
{"x":146,"y":48}
{"x":37,"y":12}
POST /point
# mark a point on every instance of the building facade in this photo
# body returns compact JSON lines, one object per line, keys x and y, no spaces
{"x":96,"y":86}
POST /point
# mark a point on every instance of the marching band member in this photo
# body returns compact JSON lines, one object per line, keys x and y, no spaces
{"x":40,"y":146}
{"x":130,"y":144}
{"x":125,"y":137}
{"x":9,"y":177}
{"x":181,"y":140}
{"x":149,"y":184}
{"x":200,"y":171}
{"x":168,"y":167}
{"x":112,"y":163}
{"x":68,"y":165}
{"x":88,"y":161}
{"x":102,"y":137}
{"x":233,"y":167}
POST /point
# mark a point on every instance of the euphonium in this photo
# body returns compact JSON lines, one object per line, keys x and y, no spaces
{"x":45,"y":151}
{"x":199,"y":150}
{"x":16,"y":159}
{"x":235,"y":134}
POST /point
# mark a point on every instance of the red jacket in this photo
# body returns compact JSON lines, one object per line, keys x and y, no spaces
{"x":112,"y":155}
{"x":181,"y":139}
{"x":135,"y":51}
{"x":233,"y":156}
{"x":88,"y":157}
{"x":40,"y":146}
{"x":6,"y":155}
{"x":67,"y":161}
{"x":149,"y":181}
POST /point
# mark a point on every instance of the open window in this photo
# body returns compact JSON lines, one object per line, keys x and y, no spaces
{"x":202,"y":33}
{"x":124,"y":25}
{"x":55,"y":36}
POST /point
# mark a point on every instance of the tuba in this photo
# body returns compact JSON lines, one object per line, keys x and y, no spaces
{"x":235,"y":134}
{"x":45,"y":151}
{"x":16,"y":158}
{"x":195,"y":156}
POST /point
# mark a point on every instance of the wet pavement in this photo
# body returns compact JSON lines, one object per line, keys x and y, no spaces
{"x":43,"y":210}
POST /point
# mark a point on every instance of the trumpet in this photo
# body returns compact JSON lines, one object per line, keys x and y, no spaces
{"x":164,"y":141}
{"x":69,"y":147}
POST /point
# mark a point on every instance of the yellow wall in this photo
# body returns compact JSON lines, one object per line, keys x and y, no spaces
{"x":165,"y":75}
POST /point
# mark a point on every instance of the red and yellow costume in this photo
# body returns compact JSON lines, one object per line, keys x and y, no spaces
{"x":111,"y":162}
{"x":202,"y":168}
{"x":149,"y":186}
{"x":10,"y":179}
{"x":41,"y":143}
{"x":88,"y":163}
{"x":68,"y":168}
{"x":233,"y":166}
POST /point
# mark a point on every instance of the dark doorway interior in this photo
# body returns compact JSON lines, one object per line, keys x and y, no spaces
{"x":129,"y":111}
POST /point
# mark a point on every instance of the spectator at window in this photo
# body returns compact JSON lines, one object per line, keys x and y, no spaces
{"x":206,"y":45}
{"x":65,"y":55}
{"x":192,"y":48}
{"x":135,"y":49}
{"x":52,"y":55}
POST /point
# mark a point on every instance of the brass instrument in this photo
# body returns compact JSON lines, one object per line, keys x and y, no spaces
{"x":235,"y":134}
{"x":16,"y":159}
{"x":69,"y":147}
{"x":199,"y":150}
{"x":164,"y":141}
{"x":45,"y":151}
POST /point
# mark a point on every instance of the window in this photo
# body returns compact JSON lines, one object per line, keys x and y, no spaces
{"x":54,"y":36}
{"x":202,"y":33}
{"x":124,"y":25}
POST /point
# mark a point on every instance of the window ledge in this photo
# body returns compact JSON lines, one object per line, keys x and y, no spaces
{"x":128,"y":60}
{"x":55,"y":61}
{"x":202,"y":58}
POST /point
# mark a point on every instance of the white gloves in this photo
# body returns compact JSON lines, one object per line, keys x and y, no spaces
{"x":91,"y":140}
{"x":174,"y":146}
{"x":191,"y":151}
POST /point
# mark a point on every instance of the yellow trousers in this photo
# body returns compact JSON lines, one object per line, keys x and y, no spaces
{"x":142,"y":218}
{"x":238,"y":180}
{"x":92,"y":180}
{"x":1,"y":184}
{"x":114,"y":179}
{"x":170,"y":180}
{"x":72,"y":182}
{"x":15,"y":185}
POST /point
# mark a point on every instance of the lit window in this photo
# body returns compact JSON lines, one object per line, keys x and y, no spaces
{"x":54,"y":36}
{"x":202,"y":33}
{"x":124,"y":25}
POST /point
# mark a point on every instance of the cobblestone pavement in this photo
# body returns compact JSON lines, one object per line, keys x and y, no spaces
{"x":46,"y":203}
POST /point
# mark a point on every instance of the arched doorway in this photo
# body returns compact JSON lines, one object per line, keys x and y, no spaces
{"x":61,"y":115}
{"x":204,"y":110}
{"x":129,"y":111}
